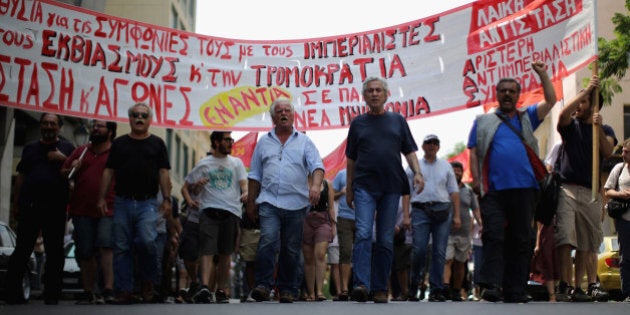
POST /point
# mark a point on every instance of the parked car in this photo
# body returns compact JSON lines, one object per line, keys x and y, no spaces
{"x":72,"y":281}
{"x":7,"y":245}
{"x":608,"y":272}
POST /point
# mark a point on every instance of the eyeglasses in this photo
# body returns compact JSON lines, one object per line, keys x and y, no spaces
{"x":138,"y":115}
{"x":432,"y":142}
{"x":228,"y":139}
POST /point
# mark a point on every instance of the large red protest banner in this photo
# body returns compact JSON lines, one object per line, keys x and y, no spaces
{"x":71,"y":61}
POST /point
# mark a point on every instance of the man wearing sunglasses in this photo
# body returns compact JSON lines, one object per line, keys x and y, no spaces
{"x":139,"y":163}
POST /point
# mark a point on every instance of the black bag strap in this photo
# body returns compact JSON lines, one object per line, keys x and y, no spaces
{"x":618,"y":176}
{"x":509,"y":124}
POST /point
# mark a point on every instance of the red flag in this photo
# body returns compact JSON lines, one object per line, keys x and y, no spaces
{"x":335,"y":161}
{"x":244,"y":148}
{"x":464,"y":159}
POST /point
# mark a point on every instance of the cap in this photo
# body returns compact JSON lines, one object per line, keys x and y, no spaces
{"x":431,"y":137}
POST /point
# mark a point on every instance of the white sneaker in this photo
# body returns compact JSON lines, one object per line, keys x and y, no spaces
{"x":250,"y":298}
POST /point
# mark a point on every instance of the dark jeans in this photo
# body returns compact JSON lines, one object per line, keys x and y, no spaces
{"x":51,"y":221}
{"x":623,"y":234}
{"x":507,"y":237}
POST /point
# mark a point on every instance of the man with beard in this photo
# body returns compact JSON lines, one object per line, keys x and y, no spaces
{"x":375,"y":179}
{"x":41,"y":193}
{"x":579,"y":219}
{"x":221,"y":182}
{"x":139,"y":162}
{"x":92,"y":229}
{"x":279,"y":195}
{"x":503,"y":175}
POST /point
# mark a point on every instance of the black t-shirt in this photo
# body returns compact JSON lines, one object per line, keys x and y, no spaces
{"x":375,"y":144}
{"x":137,"y":165}
{"x":577,"y":155}
{"x":43,"y":183}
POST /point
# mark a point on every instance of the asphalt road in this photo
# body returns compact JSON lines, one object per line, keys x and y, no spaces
{"x":67,"y":307}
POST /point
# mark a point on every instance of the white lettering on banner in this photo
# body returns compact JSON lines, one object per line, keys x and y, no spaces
{"x":76,"y":62}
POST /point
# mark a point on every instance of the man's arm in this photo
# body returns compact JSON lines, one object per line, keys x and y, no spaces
{"x":106,"y":181}
{"x":418,"y":180}
{"x":571,"y":106}
{"x":457,"y":219}
{"x":253,"y":190}
{"x":349,"y":179}
{"x":474,"y":170}
{"x":316,"y":184}
{"x":165,"y":185}
{"x":545,"y":106}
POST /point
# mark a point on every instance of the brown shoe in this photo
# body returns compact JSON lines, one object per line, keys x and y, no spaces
{"x":286,"y":297}
{"x":380,"y":297}
{"x":124,"y":298}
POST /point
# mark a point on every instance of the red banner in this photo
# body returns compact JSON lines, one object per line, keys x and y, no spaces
{"x":335,"y":161}
{"x":244,"y":148}
{"x":463,"y":158}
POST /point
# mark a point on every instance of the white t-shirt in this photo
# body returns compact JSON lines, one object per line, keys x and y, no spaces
{"x":223,"y":190}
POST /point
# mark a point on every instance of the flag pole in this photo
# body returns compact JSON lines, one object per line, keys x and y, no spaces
{"x":595,"y":106}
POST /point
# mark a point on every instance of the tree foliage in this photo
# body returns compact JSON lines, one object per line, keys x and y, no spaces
{"x":614,"y":56}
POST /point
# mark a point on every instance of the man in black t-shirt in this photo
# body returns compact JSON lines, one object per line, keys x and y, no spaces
{"x":41,"y":194}
{"x":139,"y":162}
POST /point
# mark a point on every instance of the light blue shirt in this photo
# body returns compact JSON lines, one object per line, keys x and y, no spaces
{"x":439,"y":181}
{"x":282,"y":170}
{"x":344,"y":211}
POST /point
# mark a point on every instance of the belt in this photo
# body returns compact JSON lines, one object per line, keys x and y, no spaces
{"x":139,"y":197}
{"x":425,"y":204}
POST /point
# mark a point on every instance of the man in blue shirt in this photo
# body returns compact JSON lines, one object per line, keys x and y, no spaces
{"x":503,"y":174}
{"x":280,"y":192}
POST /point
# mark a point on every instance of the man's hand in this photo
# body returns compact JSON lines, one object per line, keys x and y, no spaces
{"x":418,"y":182}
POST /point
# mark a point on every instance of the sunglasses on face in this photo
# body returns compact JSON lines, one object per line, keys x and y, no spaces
{"x":140,"y":115}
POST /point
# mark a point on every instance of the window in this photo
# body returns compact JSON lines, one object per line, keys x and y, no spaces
{"x":174,"y":18}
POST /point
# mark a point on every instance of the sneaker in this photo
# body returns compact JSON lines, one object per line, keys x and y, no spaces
{"x":99,"y":300}
{"x":402,"y":297}
{"x":86,"y":298}
{"x":250,"y":298}
{"x":179,"y":299}
{"x":260,"y":294}
{"x":423,"y":291}
{"x":579,"y":296}
{"x":380,"y":297}
{"x":203,"y":296}
{"x":360,"y":294}
{"x":627,"y":299}
{"x":436,"y":296}
{"x":285,"y":297}
{"x":192,"y":290}
{"x":108,"y":296}
{"x":597,"y":293}
{"x":563,"y":292}
{"x":491,"y":294}
{"x":220,"y":297}
{"x":456,"y":295}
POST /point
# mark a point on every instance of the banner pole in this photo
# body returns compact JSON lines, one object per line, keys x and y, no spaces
{"x":595,"y":106}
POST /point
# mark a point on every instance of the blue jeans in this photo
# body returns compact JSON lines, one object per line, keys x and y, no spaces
{"x":279,"y":228}
{"x":374,"y":275}
{"x":623,"y":235}
{"x":135,"y":233}
{"x":422,"y":226}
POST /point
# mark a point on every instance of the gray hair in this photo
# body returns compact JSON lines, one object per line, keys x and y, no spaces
{"x":379,"y":79}
{"x":278,"y":101}
{"x":130,"y":110}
